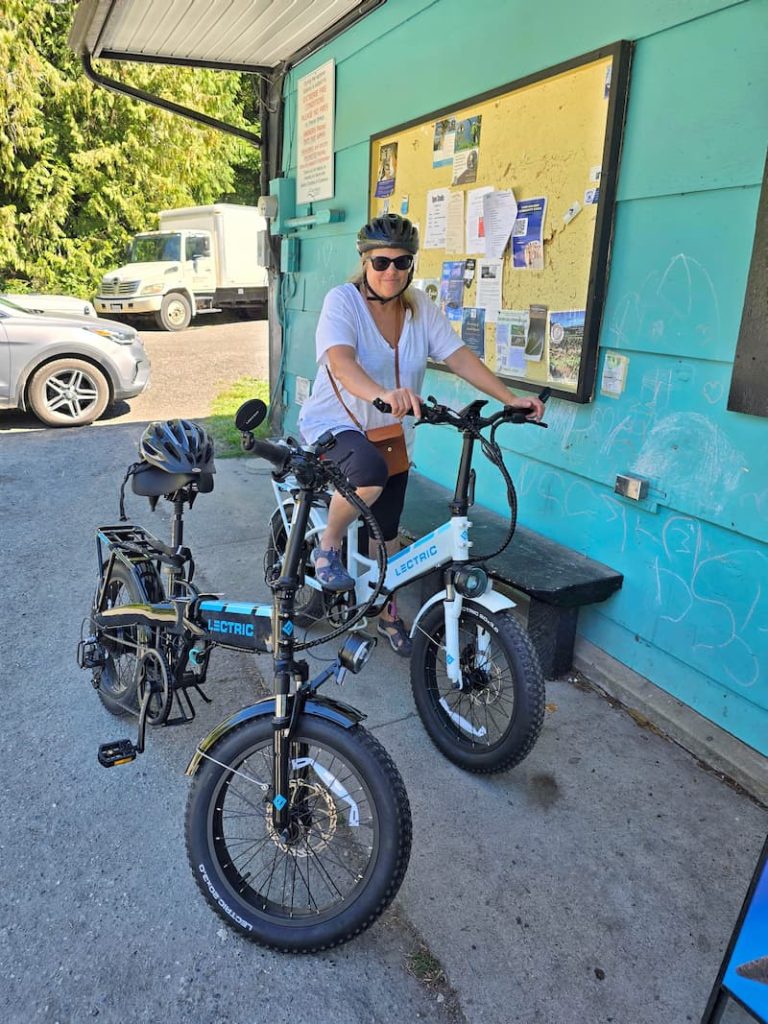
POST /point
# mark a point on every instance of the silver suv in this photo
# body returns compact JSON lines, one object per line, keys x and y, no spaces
{"x":67,"y":370}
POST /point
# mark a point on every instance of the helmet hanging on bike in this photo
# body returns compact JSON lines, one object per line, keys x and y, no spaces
{"x":387,"y":232}
{"x":177,"y":446}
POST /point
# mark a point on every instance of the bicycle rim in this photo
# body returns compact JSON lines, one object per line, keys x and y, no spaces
{"x":480,"y":715}
{"x":331,"y":850}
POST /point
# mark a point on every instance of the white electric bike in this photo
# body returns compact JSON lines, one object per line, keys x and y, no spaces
{"x":475,"y":676}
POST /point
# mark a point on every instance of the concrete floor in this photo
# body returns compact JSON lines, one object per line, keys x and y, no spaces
{"x":599,"y":881}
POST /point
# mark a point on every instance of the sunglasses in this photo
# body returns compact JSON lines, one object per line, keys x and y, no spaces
{"x":380,"y":263}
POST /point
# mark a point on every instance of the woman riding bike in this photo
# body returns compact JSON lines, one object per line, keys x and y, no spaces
{"x":373,"y":340}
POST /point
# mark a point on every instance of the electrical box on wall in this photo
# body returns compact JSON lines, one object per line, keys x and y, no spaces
{"x":633,"y":487}
{"x":284,"y":190}
{"x":289,"y":255}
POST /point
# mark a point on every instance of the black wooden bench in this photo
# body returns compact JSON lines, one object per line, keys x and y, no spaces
{"x":556,"y":579}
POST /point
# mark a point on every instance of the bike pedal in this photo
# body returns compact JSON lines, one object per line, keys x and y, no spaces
{"x":90,"y":654}
{"x":119,"y":752}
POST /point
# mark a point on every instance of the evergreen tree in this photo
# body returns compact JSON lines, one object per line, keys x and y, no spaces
{"x":81,"y":168}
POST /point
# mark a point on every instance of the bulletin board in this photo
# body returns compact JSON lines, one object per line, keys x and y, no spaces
{"x":513,"y":194}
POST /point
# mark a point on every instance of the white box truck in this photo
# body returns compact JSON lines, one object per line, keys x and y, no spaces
{"x":203,"y":258}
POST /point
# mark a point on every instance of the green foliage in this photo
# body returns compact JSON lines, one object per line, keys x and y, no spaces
{"x":221,"y":422}
{"x":81,"y":168}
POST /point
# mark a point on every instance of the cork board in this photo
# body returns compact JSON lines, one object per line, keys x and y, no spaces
{"x":535,"y":163}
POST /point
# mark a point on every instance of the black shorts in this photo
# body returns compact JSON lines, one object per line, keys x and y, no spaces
{"x":364,"y":466}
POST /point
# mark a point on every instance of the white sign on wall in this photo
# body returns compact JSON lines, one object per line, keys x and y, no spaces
{"x":316,"y":99}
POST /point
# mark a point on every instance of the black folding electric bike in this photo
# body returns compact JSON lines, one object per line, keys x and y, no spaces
{"x":298,"y":826}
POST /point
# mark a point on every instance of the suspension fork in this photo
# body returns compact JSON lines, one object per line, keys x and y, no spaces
{"x":287,"y":672}
{"x":452,"y":606}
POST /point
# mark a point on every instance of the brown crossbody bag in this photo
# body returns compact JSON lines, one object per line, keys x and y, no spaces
{"x":390,"y":440}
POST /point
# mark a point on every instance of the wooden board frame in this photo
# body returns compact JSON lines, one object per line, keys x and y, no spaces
{"x":620,"y":54}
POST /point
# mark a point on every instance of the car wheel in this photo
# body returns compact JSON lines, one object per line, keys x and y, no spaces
{"x":68,"y":393}
{"x":175,"y":313}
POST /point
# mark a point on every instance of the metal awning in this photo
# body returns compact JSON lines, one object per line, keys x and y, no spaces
{"x":235,"y":35}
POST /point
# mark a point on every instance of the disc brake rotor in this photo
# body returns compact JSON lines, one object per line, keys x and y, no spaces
{"x":311,"y":826}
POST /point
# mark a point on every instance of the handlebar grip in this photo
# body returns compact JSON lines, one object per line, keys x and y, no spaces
{"x":278,"y":454}
{"x":381,"y":405}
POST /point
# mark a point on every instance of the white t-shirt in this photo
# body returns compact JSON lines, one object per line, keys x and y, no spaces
{"x":346,"y":320}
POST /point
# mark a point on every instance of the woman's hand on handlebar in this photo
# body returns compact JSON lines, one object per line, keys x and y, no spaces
{"x":533,"y":407}
{"x":403,"y":402}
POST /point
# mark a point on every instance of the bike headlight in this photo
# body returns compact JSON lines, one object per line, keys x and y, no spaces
{"x":126,"y":337}
{"x":151,"y":289}
{"x":356,"y":651}
{"x":471,"y":581}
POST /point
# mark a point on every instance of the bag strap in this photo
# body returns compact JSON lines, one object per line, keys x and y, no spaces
{"x":352,"y":416}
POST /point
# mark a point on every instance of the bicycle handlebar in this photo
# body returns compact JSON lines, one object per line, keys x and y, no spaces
{"x":469,"y":416}
{"x":278,"y":454}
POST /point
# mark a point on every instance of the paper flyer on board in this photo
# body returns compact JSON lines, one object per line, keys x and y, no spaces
{"x":527,"y":234}
{"x":614,"y":374}
{"x":385,"y":178}
{"x":454,"y":234}
{"x":452,"y":289}
{"x":473,"y":330}
{"x":537,"y":328}
{"x":475,"y":222}
{"x":466,"y":150}
{"x":437,"y":218}
{"x":489,"y":288}
{"x":443,"y":142}
{"x":566,"y":339}
{"x":511,"y":339}
{"x":499,"y":215}
{"x":430,"y":286}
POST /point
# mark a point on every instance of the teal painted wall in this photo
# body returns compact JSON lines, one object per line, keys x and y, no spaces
{"x":693,"y":612}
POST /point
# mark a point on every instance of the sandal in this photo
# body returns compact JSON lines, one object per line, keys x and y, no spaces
{"x":333,"y":575}
{"x":394,"y":630}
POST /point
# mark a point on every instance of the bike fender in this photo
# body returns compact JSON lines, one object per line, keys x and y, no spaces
{"x":322,"y":707}
{"x":491,"y":600}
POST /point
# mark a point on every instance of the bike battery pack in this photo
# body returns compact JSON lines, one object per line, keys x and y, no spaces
{"x":240,"y":624}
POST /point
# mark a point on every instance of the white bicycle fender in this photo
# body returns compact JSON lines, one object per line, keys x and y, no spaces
{"x":492,"y":600}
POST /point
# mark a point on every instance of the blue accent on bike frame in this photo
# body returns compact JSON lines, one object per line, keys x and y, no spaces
{"x":416,"y":544}
{"x":237,"y":608}
{"x":288,"y":628}
{"x":279,"y":801}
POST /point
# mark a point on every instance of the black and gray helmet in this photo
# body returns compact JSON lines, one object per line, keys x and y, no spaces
{"x":388,"y":232}
{"x":177,"y":446}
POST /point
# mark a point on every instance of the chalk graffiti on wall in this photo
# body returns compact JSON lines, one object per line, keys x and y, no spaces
{"x":693,"y":459}
{"x":720,"y":595}
{"x":680,"y":304}
{"x":690,"y":590}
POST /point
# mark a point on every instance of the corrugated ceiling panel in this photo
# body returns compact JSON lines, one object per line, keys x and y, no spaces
{"x":257,"y":32}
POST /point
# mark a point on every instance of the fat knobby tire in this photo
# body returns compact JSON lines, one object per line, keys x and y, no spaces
{"x":125,"y":702}
{"x":526,"y":681}
{"x":354,"y":746}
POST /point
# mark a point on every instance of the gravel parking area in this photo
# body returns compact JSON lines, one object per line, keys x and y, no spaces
{"x":191,"y":367}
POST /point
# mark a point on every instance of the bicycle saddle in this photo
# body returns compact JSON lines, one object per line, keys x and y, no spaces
{"x":150,"y":482}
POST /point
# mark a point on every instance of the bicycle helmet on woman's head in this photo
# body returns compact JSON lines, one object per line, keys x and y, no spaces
{"x":388,"y":232}
{"x":177,"y":446}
